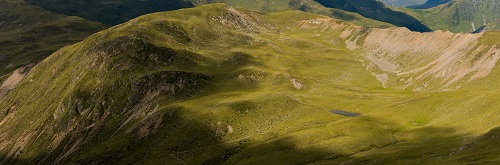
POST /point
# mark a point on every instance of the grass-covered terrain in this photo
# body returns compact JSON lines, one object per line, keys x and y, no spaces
{"x":459,"y":15}
{"x":220,"y":85}
{"x":28,"y":34}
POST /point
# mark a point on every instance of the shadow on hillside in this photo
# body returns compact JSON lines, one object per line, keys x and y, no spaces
{"x":415,"y":146}
{"x":180,"y":140}
{"x":98,"y":138}
{"x":171,"y":136}
{"x":21,"y":161}
{"x":373,"y":9}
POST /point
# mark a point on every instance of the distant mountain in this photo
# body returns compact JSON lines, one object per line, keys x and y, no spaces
{"x":29,"y":33}
{"x":371,"y":9}
{"x":402,"y":3}
{"x":461,"y":15}
{"x":429,"y":4}
{"x":110,"y":12}
{"x":303,"y":5}
{"x":118,"y":11}
{"x":378,"y":11}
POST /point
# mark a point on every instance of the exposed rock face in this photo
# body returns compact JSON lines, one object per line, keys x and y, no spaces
{"x":401,"y":58}
{"x":427,"y":60}
{"x":14,"y":79}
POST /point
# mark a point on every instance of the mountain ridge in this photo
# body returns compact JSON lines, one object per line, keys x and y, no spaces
{"x":318,"y":6}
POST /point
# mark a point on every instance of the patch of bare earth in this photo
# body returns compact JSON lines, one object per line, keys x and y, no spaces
{"x":14,"y":79}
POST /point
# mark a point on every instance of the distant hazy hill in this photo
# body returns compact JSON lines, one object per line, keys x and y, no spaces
{"x":114,"y":12}
{"x":221,"y":85}
{"x":29,"y":33}
{"x":459,"y":15}
{"x":110,"y":12}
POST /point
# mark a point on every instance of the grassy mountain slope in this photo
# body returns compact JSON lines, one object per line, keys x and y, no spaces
{"x":457,"y":16}
{"x":215,"y":84}
{"x":28,"y":34}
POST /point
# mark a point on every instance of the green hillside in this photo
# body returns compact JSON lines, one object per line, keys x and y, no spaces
{"x":28,"y":34}
{"x":458,"y":15}
{"x":220,"y":85}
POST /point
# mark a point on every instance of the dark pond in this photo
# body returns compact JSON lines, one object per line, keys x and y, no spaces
{"x":345,"y":113}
